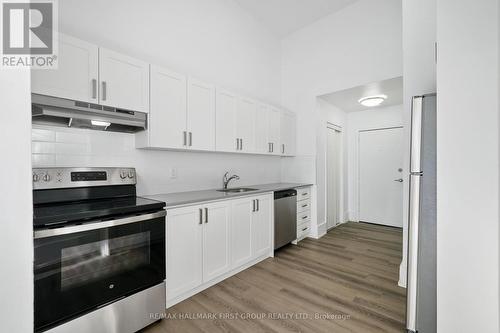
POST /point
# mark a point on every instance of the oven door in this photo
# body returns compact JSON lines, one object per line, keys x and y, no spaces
{"x":80,"y":268}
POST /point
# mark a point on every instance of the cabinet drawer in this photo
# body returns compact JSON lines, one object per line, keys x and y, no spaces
{"x":303,"y":232}
{"x":303,"y":205}
{"x":303,"y":216}
{"x":303,"y":193}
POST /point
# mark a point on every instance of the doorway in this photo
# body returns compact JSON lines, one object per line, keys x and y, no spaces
{"x":333,"y":175}
{"x":381,"y":176}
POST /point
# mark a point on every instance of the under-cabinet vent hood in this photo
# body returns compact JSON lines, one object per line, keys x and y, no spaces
{"x":68,"y":113}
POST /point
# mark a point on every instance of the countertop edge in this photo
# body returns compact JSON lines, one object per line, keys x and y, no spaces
{"x":187,"y":203}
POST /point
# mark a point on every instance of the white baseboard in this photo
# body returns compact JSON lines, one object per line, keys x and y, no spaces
{"x":402,"y":276}
{"x":321,"y":230}
{"x":192,"y":292}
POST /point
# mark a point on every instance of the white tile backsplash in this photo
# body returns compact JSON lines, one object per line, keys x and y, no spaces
{"x":58,"y":146}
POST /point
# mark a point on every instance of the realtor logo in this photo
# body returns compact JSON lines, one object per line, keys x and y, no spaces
{"x":28,"y":34}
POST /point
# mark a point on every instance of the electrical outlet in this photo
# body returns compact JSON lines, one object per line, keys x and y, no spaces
{"x":173,"y":173}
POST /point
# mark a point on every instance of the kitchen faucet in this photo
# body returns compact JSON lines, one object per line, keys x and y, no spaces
{"x":226,"y":180}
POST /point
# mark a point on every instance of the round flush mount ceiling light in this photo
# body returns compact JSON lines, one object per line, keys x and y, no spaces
{"x":372,"y":100}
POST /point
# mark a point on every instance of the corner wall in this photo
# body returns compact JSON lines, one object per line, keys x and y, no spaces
{"x":468,"y":148}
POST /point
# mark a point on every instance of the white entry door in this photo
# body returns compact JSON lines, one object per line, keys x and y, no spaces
{"x":333,"y":176}
{"x":381,"y":177}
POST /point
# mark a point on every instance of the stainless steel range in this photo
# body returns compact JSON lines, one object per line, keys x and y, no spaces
{"x":99,"y":260}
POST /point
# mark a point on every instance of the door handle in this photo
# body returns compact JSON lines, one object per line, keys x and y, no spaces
{"x":104,"y":90}
{"x":94,"y":88}
{"x":206,"y":215}
{"x":400,"y":180}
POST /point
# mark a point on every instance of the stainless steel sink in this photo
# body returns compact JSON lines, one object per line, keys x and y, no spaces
{"x":237,"y":190}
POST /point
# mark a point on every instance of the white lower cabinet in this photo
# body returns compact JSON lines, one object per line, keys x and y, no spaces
{"x":209,"y":242}
{"x":216,"y":236}
{"x":184,"y":250}
{"x":241,"y":233}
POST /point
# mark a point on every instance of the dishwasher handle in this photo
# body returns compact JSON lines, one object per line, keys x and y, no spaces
{"x":284,"y":194}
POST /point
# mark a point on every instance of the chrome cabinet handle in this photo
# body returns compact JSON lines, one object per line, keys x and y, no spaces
{"x":206,"y":215}
{"x":241,"y":144}
{"x":303,"y":206}
{"x":201,"y":216}
{"x":258,"y":204}
{"x":305,"y":217}
{"x":269,"y":147}
{"x":104,"y":90}
{"x":184,"y":142}
{"x":283,"y":148}
{"x":304,"y":229}
{"x":237,"y":144}
{"x":272,"y":147}
{"x":94,"y":88}
{"x":190,"y":139}
{"x":400,"y":180}
{"x":253,"y":205}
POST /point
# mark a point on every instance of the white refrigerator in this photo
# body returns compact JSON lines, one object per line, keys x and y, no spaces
{"x":421,"y":282}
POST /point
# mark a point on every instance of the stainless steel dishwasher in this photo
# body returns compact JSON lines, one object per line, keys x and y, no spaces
{"x":285,"y":217}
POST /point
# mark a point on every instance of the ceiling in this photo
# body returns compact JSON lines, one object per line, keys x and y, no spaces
{"x":286,"y":16}
{"x":347,"y":100}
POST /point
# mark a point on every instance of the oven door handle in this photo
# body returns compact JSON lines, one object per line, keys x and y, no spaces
{"x":97,"y":225}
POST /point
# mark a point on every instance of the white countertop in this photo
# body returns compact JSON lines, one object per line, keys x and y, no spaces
{"x":180,"y":199}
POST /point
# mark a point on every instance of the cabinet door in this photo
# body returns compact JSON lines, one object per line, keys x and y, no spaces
{"x":262,"y":143}
{"x":274,"y":130}
{"x":124,"y":81}
{"x":287,"y":134}
{"x":241,"y":231}
{"x":167,"y":118}
{"x":76,"y":75}
{"x":184,"y":250}
{"x":216,"y":238}
{"x":201,"y":115}
{"x":262,"y":223}
{"x":245,"y":124}
{"x":226,"y":108}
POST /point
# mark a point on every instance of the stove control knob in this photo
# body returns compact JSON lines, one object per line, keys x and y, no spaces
{"x":123,"y":175}
{"x":130,"y":174}
{"x":46,"y":177}
{"x":36,"y":177}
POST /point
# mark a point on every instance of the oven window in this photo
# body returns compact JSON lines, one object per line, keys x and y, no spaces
{"x":82,"y":264}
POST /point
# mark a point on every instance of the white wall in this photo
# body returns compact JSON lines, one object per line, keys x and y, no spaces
{"x":468,"y":166}
{"x":16,"y":213}
{"x":213,"y":40}
{"x":419,"y":77}
{"x":53,"y":146}
{"x":357,"y":45}
{"x":216,"y":41}
{"x":391,"y":116}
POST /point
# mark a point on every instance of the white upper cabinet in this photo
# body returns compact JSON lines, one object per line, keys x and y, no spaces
{"x":216,"y":239}
{"x":124,"y":81}
{"x":274,"y":130}
{"x":262,"y":143}
{"x":226,"y":108}
{"x":245,"y":124}
{"x":76,"y":77}
{"x":288,"y":127}
{"x":167,"y":117}
{"x":200,"y":115}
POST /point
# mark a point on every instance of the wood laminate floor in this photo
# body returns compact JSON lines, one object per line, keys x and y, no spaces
{"x":344,"y":282}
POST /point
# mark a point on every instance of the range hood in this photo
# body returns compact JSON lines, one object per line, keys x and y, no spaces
{"x":48,"y":110}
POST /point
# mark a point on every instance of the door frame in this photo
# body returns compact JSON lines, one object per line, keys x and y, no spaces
{"x":358,"y":157}
{"x":340,"y":210}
